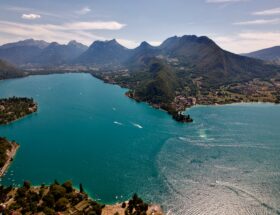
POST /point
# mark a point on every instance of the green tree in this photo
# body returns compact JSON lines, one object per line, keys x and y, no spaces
{"x":68,"y":186}
{"x":61,"y":204}
{"x":57,"y":191}
{"x":81,"y":188}
{"x":49,"y":211}
{"x":27,"y":185}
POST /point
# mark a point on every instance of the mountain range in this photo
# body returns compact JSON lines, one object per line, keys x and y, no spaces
{"x":190,"y":56}
{"x":199,"y":56}
{"x":200,"y":52}
{"x":38,"y":52}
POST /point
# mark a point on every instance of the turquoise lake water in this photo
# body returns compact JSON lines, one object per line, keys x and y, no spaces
{"x":226,"y":162}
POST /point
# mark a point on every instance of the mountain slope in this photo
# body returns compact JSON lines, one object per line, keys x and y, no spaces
{"x":160,"y":84}
{"x":200,"y":57}
{"x":269,"y":54}
{"x":104,"y":53}
{"x":141,"y":55}
{"x":7,"y":71}
{"x":22,"y":52}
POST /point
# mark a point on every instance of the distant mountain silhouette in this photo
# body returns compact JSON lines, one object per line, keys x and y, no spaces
{"x":269,"y":54}
{"x":56,"y":54}
{"x":22,"y":52}
{"x":104,"y":53}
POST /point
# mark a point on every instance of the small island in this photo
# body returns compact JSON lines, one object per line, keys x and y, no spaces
{"x":65,"y":199}
{"x":180,"y":117}
{"x":7,"y":152}
{"x":14,"y":108}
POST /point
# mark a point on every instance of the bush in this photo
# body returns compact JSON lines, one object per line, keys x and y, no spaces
{"x":61,"y":204}
{"x":49,"y":211}
{"x":68,"y":186}
{"x":57,"y":191}
{"x":123,"y":205}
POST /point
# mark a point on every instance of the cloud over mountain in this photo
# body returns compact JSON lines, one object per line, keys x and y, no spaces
{"x":31,"y":16}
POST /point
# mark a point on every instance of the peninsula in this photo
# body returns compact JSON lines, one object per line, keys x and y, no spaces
{"x":162,"y":86}
{"x":14,"y":108}
{"x":7,"y":152}
{"x":65,"y":199}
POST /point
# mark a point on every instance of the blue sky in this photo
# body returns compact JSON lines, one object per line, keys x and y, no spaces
{"x":236,"y":25}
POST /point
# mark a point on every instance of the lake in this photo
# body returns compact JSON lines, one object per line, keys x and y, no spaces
{"x":226,"y":162}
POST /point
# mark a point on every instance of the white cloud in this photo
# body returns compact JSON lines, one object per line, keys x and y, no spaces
{"x":155,"y":43}
{"x":133,"y":44}
{"x":245,"y":42}
{"x":259,"y":22}
{"x":261,"y":36}
{"x":59,"y":33}
{"x":31,"y":16}
{"x":112,"y":25}
{"x":274,"y":11}
{"x":83,"y":11}
{"x":224,"y":1}
{"x":30,"y":10}
{"x":128,"y":43}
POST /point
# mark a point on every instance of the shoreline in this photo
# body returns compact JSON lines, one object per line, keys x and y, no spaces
{"x":20,"y":118}
{"x":233,"y":104}
{"x":180,"y":115}
{"x":123,"y":87}
{"x":11,"y":155}
{"x":158,"y":107}
{"x":155,"y":106}
{"x":84,"y":204}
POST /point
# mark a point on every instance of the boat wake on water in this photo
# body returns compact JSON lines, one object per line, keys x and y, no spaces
{"x":137,"y":125}
{"x":117,"y":123}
